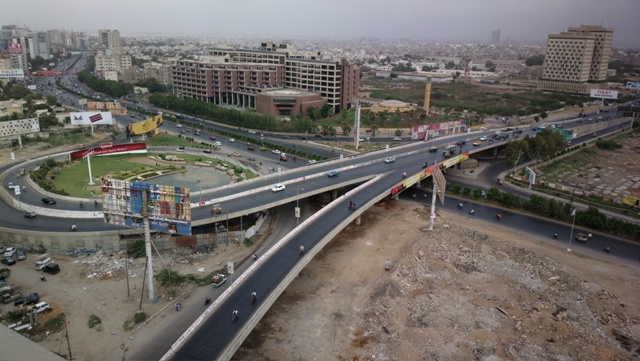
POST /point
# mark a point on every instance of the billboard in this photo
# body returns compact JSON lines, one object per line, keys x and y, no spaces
{"x":87,"y":118}
{"x":11,"y":73}
{"x":604,"y":94}
{"x":47,"y":73}
{"x":82,"y":101}
{"x":114,"y":107}
{"x":168,"y":208}
{"x":20,"y":126}
{"x":108,"y":149}
{"x":14,"y":48}
{"x":630,"y":200}
{"x":144,"y":126}
{"x":437,"y":129}
{"x":633,"y":85}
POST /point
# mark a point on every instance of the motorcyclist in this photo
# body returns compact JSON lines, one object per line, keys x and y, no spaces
{"x":607,"y":249}
{"x":404,"y":174}
{"x":471,"y":212}
{"x":413,"y":195}
{"x":301,"y":249}
{"x":499,"y":215}
{"x":555,"y":235}
{"x":253,"y":296}
{"x":73,"y":227}
{"x":207,"y":301}
{"x":460,"y":205}
{"x":254,"y":256}
{"x":42,"y":277}
{"x":234,"y":315}
{"x":81,"y":204}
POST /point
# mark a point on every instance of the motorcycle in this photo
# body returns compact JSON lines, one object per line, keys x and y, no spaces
{"x":460,"y":205}
{"x":73,"y":228}
{"x":471,"y":212}
{"x":301,"y":249}
{"x":253,"y":297}
{"x":234,"y":315}
{"x":555,"y":235}
{"x":207,"y":301}
{"x":607,"y":249}
{"x":499,"y":216}
{"x":254,"y":256}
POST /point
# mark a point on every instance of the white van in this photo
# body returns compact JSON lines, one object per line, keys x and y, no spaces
{"x":41,"y":307}
{"x":40,"y":264}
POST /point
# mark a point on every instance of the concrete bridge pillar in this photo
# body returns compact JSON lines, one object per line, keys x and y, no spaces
{"x":358,"y":220}
{"x":334,"y":194}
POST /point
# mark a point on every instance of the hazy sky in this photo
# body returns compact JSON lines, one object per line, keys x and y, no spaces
{"x":524,"y":20}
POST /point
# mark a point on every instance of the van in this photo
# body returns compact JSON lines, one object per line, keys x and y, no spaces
{"x":51,"y":268}
{"x":40,"y":264}
{"x":41,"y":307}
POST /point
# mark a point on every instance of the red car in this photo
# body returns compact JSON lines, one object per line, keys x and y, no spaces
{"x":212,"y":138}
{"x":251,"y":148}
{"x":283,"y":159}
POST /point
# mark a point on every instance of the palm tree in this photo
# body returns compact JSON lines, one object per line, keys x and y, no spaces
{"x":374,"y":129}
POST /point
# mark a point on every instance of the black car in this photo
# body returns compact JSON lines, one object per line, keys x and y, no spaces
{"x":4,"y":273}
{"x":8,"y":261}
{"x":461,"y":142}
{"x":48,"y":200}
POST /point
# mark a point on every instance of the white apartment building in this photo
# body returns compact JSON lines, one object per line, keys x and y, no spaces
{"x":110,"y":40}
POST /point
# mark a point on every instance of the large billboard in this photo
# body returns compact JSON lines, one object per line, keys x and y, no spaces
{"x":14,"y":48}
{"x":604,"y":94}
{"x":114,"y":107}
{"x":20,"y":126}
{"x":438,"y":129}
{"x":87,"y":118}
{"x":47,"y":73}
{"x":168,"y":208}
{"x":110,"y":148}
{"x":144,"y":126}
{"x":11,"y":73}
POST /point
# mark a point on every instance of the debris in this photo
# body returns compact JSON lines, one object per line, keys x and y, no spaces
{"x":501,"y":310}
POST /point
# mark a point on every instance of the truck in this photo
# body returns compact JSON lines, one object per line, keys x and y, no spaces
{"x":218,"y":279}
{"x":31,"y":299}
{"x":449,"y":150}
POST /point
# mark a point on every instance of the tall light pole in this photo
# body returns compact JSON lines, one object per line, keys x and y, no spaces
{"x":573,"y":213}
{"x":297,"y":212}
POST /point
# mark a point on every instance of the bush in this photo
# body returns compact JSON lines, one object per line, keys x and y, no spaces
{"x":139,"y":317}
{"x":477,"y":192}
{"x":456,"y":188}
{"x":138,"y":249}
{"x":466,"y":190}
{"x":56,"y":324}
{"x":94,"y":321}
{"x":168,"y":277}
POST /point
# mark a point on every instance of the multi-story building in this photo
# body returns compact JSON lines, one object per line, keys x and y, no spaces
{"x":495,"y":36}
{"x":235,"y":77}
{"x":117,"y":63}
{"x":110,"y":40}
{"x":576,"y":59}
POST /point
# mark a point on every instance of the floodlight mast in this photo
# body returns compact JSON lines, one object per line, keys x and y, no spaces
{"x":147,"y":240}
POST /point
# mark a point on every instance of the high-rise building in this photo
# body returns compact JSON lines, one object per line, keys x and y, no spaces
{"x":575,"y":59}
{"x":495,"y":36}
{"x":110,"y":40}
{"x":236,"y":77}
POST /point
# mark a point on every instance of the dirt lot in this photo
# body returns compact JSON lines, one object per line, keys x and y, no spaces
{"x":390,"y":290}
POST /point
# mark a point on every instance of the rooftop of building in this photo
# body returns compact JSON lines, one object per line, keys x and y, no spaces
{"x":287,"y":92}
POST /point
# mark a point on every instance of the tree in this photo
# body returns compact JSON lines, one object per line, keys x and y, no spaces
{"x":346,"y":128}
{"x":51,"y":100}
{"x":515,"y":151}
{"x":450,"y":65}
{"x":374,"y":129}
{"x":427,"y":68}
{"x":313,"y":113}
{"x":535,"y":60}
{"x":325,"y":111}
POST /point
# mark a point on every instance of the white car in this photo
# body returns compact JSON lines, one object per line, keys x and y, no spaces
{"x":483,"y":138}
{"x":231,"y":140}
{"x":11,"y":185}
{"x":217,"y":144}
{"x":179,"y":125}
{"x":275,"y":151}
{"x":390,"y":159}
{"x":312,"y":161}
{"x":41,"y":307}
{"x":397,"y":139}
{"x":277,"y":188}
{"x":9,"y":252}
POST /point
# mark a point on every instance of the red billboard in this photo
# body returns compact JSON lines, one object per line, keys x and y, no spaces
{"x":47,"y":73}
{"x":116,"y":148}
{"x":14,"y":48}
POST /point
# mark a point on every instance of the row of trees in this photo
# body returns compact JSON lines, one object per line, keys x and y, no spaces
{"x":109,"y":87}
{"x":538,"y":148}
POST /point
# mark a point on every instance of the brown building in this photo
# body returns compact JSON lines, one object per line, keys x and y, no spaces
{"x":287,"y":102}
{"x":236,"y":77}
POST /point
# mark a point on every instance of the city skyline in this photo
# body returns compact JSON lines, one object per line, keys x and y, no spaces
{"x":455,"y":20}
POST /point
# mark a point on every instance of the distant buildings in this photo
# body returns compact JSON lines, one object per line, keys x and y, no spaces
{"x":18,"y":45}
{"x":495,"y":37}
{"x":576,"y":59}
{"x":111,"y":62}
{"x":291,"y":83}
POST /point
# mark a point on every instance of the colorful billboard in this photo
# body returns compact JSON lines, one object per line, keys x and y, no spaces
{"x":114,"y":107}
{"x":630,"y":200}
{"x":167,"y":208}
{"x":604,"y":94}
{"x":144,"y":126}
{"x":48,"y":73}
{"x":438,"y":129}
{"x":14,"y":48}
{"x":108,"y":149}
{"x":11,"y":73}
{"x":88,"y":118}
{"x":633,"y":85}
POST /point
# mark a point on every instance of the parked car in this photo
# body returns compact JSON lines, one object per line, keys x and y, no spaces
{"x":2,"y":249}
{"x":10,"y":251}
{"x":277,"y":188}
{"x":397,"y":139}
{"x":7,"y":298}
{"x":333,"y":173}
{"x":41,"y":307}
{"x":21,"y":255}
{"x":390,"y":159}
{"x":4,"y":273}
{"x":30,"y":214}
{"x":48,"y":200}
{"x":51,"y":268}
{"x":8,"y":261}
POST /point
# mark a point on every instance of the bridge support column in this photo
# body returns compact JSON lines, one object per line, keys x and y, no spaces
{"x":334,"y":194}
{"x":495,"y":152}
{"x":358,"y":220}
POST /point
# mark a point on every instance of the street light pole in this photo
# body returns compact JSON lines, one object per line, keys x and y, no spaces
{"x":297,"y":212}
{"x":572,"y":225}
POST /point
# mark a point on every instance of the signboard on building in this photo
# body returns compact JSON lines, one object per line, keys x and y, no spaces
{"x":144,"y":126}
{"x":11,"y":73}
{"x":604,"y":94}
{"x":14,"y":48}
{"x":47,"y":73}
{"x":168,"y":208}
{"x":114,"y":107}
{"x":20,"y":126}
{"x":108,"y":149}
{"x":91,"y":118}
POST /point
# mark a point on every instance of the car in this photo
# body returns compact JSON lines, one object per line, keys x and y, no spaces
{"x":252,"y":131}
{"x":4,"y":273}
{"x":560,"y":126}
{"x":507,"y":129}
{"x":581,"y":237}
{"x":251,"y":148}
{"x":483,"y":139}
{"x":179,"y":125}
{"x":2,"y":249}
{"x":41,"y":307}
{"x":212,"y":138}
{"x":333,"y":173}
{"x":231,"y":140}
{"x":275,"y":151}
{"x":278,"y":188}
{"x":207,"y":151}
{"x":51,"y":268}
{"x":11,"y":185}
{"x":286,"y":137}
{"x":30,"y":214}
{"x":8,"y":261}
{"x":237,"y":154}
{"x":390,"y":159}
{"x":183,"y":132}
{"x":180,"y":148}
{"x":217,"y":144}
{"x":312,"y":161}
{"x":10,"y":251}
{"x":21,"y":255}
{"x":461,"y":142}
{"x":433,"y":149}
{"x":283,"y":157}
{"x":397,"y":139}
{"x":218,"y":279}
{"x":303,"y":138}
{"x":477,"y":143}
{"x":361,"y":140}
{"x":27,"y":300}
{"x":263,"y":148}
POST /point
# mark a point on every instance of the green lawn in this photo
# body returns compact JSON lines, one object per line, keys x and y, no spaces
{"x":168,"y":140}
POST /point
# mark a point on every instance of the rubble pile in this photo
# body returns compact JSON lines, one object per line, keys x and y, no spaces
{"x":457,"y":293}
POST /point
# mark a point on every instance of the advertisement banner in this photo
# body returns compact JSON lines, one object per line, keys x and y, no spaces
{"x":109,"y":149}
{"x":82,"y":101}
{"x":14,"y":48}
{"x":633,"y":85}
{"x":144,"y":126}
{"x":604,"y":94}
{"x":88,"y":118}
{"x":168,"y":208}
{"x":438,"y":129}
{"x":114,"y":107}
{"x":11,"y":73}
{"x":48,"y":73}
{"x":631,"y":201}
